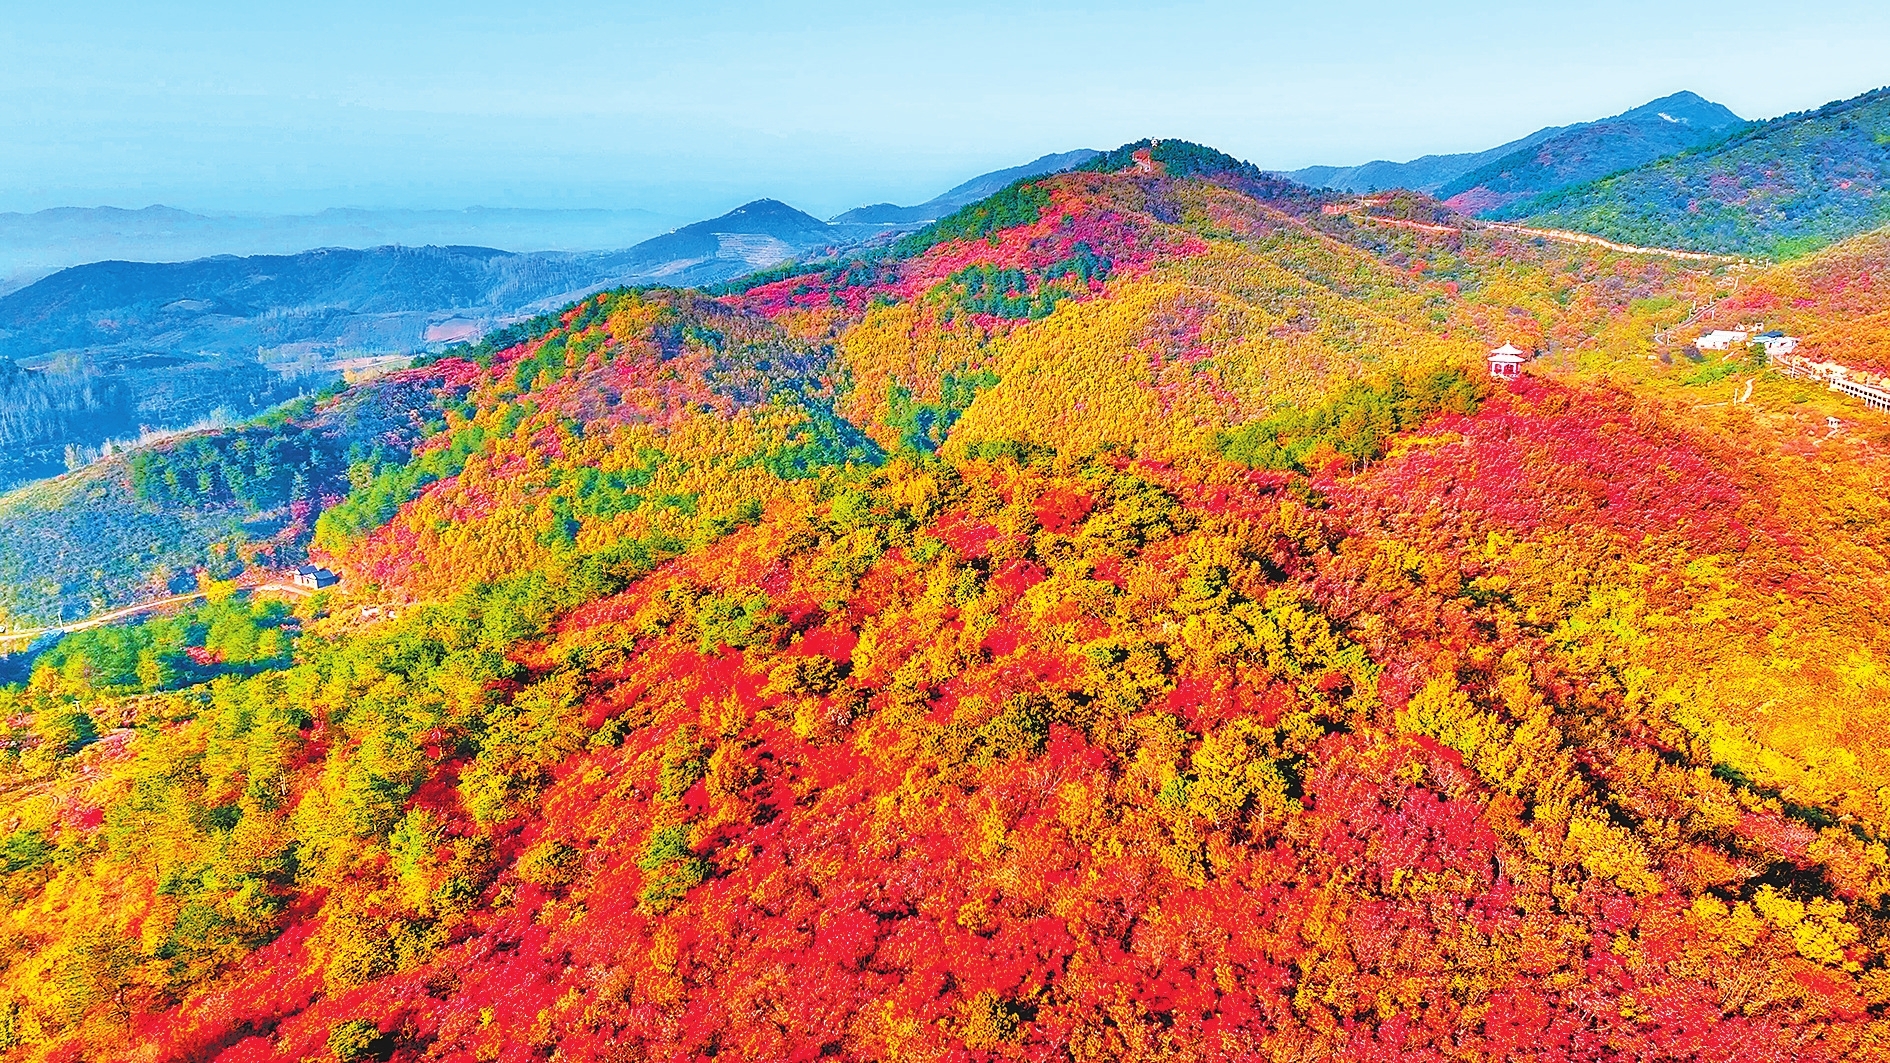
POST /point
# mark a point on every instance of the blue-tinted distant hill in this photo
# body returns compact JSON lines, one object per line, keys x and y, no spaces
{"x":1543,"y":159}
{"x":37,"y":244}
{"x":375,"y":299}
{"x":1582,"y":153}
{"x":106,"y":351}
{"x":750,"y":237}
{"x":1780,"y":187}
{"x":887,"y":215}
{"x":379,"y":298}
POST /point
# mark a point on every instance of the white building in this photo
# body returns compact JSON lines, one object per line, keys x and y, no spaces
{"x":1720,"y":340}
{"x":1506,"y":362}
{"x":1777,"y":343}
{"x":315,"y":578}
{"x":1871,"y":389}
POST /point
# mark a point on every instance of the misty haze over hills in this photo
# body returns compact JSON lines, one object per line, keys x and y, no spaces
{"x":109,"y":349}
{"x":37,"y":244}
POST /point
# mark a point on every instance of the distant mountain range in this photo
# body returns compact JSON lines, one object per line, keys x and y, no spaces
{"x":889,"y":215}
{"x":335,"y":301}
{"x":35,"y":245}
{"x":111,"y":350}
{"x":1780,"y":188}
{"x":1596,"y":149}
{"x":1544,"y":160}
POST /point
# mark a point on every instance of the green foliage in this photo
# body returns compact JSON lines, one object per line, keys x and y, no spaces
{"x":63,"y":729}
{"x":1001,"y":293}
{"x":1733,"y":364}
{"x":821,"y":439}
{"x":258,"y":468}
{"x":357,"y":1039}
{"x":549,"y":358}
{"x":1012,"y":293}
{"x":24,"y":850}
{"x":1354,"y":424}
{"x":602,"y":495}
{"x":922,"y":426}
{"x":733,"y":623}
{"x":873,"y":268}
{"x":1084,"y":266}
{"x":671,"y":868}
{"x":157,"y":654}
{"x":1180,"y":158}
{"x":380,"y":488}
{"x":1020,"y":203}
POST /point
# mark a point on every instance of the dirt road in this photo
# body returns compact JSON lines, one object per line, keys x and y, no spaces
{"x":32,"y":634}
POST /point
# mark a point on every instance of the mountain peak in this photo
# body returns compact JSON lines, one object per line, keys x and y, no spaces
{"x":1820,"y":174}
{"x":1683,"y":116}
{"x":1685,"y":107}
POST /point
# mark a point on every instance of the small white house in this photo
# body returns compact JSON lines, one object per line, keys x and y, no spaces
{"x":1777,"y":343}
{"x":1506,"y":362}
{"x":1720,"y":340}
{"x":315,"y":578}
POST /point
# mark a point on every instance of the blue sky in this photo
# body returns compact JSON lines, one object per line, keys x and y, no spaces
{"x":691,"y":108}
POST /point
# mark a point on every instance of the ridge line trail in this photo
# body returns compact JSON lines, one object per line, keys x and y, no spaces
{"x":1563,"y":235}
{"x":101,"y":619}
{"x":1569,"y":237}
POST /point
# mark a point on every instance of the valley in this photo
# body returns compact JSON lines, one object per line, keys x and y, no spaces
{"x":100,"y":356}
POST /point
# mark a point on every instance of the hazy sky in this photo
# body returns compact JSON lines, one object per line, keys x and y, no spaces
{"x":695,"y":106}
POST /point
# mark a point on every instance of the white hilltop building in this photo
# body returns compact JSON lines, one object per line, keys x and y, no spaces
{"x":1506,"y":362}
{"x":1721,"y":339}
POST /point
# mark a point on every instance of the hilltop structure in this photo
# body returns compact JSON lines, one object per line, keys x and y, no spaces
{"x":1506,"y":362}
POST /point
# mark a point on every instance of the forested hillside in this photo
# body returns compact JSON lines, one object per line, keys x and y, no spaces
{"x":1777,"y":188}
{"x":1545,"y":159}
{"x":217,"y":504}
{"x":1596,"y":149}
{"x":1121,"y":620}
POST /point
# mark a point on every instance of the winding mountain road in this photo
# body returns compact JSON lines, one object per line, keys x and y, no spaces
{"x":33,"y":634}
{"x":1566,"y":236}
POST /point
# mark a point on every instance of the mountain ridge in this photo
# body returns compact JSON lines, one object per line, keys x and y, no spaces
{"x":1443,"y":174}
{"x":1663,"y":127}
{"x":1779,"y":187}
{"x":37,"y":244}
{"x":891,"y":215}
